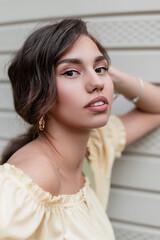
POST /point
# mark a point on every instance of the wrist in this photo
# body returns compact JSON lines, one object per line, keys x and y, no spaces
{"x":141,"y":85}
{"x":129,"y":86}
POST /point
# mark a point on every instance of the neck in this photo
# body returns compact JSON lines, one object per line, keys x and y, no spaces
{"x":66,"y":146}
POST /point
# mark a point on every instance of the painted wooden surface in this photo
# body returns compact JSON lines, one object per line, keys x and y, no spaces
{"x":135,"y":207}
{"x":129,"y":172}
{"x":21,"y":10}
{"x":130,"y":31}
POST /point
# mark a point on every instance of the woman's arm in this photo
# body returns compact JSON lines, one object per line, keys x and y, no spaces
{"x":130,"y":87}
{"x":138,"y":123}
{"x":146,"y":116}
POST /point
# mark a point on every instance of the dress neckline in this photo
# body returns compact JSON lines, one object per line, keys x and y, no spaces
{"x":41,"y":195}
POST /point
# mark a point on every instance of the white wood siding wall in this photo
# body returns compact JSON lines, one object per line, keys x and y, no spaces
{"x":130,"y":30}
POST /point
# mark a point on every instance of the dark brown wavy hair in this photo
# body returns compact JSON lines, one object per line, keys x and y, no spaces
{"x":32,"y":74}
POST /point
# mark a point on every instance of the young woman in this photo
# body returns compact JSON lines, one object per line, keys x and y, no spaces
{"x":63,"y":87}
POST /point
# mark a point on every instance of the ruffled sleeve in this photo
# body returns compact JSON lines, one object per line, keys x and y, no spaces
{"x":115,"y":131}
{"x":20,"y":215}
{"x":104,"y":145}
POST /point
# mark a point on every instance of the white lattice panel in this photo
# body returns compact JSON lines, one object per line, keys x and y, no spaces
{"x":125,"y":234}
{"x":125,"y":32}
{"x":113,"y":32}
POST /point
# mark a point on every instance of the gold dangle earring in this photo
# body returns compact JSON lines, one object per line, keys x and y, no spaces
{"x":41,"y":123}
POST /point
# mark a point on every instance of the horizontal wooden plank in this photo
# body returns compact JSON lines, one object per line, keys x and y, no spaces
{"x":21,"y":10}
{"x":142,"y":61}
{"x":125,"y":231}
{"x":11,"y":125}
{"x":136,"y":171}
{"x":134,"y":207}
{"x":127,"y":31}
{"x":3,"y":144}
{"x":138,"y":63}
{"x":4,"y":62}
{"x":13,"y":36}
{"x":149,"y":144}
{"x":113,"y":32}
{"x":6,"y":99}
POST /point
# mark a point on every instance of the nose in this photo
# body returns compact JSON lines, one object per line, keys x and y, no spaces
{"x":94,"y":82}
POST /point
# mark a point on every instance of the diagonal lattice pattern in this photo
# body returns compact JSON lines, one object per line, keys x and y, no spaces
{"x":127,"y":32}
{"x":124,"y":234}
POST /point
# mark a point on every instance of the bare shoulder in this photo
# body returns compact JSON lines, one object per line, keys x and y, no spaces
{"x":38,"y":167}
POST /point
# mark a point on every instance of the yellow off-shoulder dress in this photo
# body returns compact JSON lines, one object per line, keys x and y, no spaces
{"x":28,"y":212}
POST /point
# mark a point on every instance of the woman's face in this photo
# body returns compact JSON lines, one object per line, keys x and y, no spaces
{"x":84,"y":87}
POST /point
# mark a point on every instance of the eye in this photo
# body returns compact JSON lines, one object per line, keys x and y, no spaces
{"x":101,"y":70}
{"x":70,"y":73}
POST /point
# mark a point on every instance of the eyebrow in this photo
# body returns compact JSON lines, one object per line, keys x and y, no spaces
{"x":100,"y":58}
{"x":78,"y":61}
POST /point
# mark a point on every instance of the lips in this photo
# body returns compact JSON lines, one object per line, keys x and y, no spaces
{"x":96,"y":100}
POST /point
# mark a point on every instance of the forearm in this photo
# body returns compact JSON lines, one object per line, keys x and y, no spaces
{"x":130,"y":87}
{"x":138,"y":123}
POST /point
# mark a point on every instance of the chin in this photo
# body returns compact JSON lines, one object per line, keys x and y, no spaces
{"x":99,"y":123}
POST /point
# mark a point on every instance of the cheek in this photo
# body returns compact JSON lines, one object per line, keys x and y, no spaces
{"x":67,"y":95}
{"x":109,"y":89}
